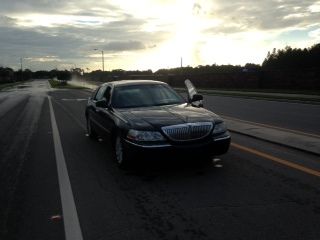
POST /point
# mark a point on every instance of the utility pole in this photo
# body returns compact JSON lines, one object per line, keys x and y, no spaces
{"x":102,"y":58}
{"x":21,"y":68}
{"x":102,"y":53}
{"x":181,"y":62}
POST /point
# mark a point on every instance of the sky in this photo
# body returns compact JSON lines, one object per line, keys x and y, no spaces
{"x":151,"y":34}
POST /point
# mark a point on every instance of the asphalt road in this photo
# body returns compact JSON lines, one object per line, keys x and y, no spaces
{"x":246,"y":195}
{"x":295,"y":116}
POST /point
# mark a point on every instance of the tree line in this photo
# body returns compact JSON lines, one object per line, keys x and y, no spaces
{"x":293,"y":58}
{"x":280,"y":69}
{"x":8,"y":75}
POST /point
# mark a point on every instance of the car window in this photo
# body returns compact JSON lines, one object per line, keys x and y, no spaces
{"x":144,"y":95}
{"x":100,"y":93}
{"x":95,"y":93}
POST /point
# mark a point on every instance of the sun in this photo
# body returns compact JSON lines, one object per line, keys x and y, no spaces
{"x":183,"y":38}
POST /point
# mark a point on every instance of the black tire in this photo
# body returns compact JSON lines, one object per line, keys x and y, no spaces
{"x":91,"y":133}
{"x":120,"y":153}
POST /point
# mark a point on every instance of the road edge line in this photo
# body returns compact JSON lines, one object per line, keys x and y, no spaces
{"x":281,"y":161}
{"x":70,"y":216}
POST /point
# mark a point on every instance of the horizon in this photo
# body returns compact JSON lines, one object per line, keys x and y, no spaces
{"x":127,"y":70}
{"x":64,"y":34}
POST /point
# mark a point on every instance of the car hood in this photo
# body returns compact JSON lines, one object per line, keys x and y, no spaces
{"x":159,"y":116}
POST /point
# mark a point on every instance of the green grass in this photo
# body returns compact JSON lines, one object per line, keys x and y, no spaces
{"x":63,"y":85}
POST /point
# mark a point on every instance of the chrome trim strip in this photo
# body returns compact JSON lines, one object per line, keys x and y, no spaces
{"x":148,"y":146}
{"x":222,"y":138}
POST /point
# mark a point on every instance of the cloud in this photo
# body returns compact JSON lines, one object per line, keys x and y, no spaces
{"x":152,"y":31}
{"x":315,"y":34}
{"x":123,"y":46}
{"x":7,"y":21}
{"x":55,"y":6}
{"x":315,"y":7}
{"x":71,"y":44}
{"x":69,"y":30}
{"x":263,"y":15}
{"x":196,"y":8}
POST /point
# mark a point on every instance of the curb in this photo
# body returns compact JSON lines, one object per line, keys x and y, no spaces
{"x":275,"y":142}
{"x":294,"y":140}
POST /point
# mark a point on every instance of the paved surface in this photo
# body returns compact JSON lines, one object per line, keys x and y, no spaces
{"x":249,"y":194}
{"x":290,"y":138}
{"x":291,"y":97}
{"x":296,"y":116}
{"x":271,"y":94}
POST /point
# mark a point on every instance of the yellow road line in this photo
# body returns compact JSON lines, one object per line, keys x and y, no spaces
{"x":271,"y":126}
{"x":278,"y":160}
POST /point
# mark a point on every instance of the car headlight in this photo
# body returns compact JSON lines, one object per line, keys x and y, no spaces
{"x":219,"y":128}
{"x":145,"y":136}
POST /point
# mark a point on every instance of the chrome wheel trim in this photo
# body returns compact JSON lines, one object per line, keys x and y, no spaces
{"x":119,"y":150}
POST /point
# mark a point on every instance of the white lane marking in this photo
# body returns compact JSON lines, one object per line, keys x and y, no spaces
{"x":70,"y":217}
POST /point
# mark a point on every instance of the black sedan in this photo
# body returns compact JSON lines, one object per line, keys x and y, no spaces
{"x":145,"y":117}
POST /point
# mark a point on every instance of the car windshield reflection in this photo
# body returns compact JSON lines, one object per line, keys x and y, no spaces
{"x":133,"y":96}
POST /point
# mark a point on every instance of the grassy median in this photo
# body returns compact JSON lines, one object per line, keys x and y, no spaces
{"x":4,"y":86}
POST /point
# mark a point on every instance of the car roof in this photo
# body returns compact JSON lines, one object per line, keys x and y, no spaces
{"x":133,"y":82}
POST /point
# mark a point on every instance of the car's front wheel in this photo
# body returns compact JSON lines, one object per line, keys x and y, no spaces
{"x":91,"y":133}
{"x":120,"y":152}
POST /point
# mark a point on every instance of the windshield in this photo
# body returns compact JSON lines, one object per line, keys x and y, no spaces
{"x":144,"y":95}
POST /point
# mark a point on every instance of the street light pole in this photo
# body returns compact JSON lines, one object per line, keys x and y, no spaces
{"x":102,"y":53}
{"x":102,"y":58}
{"x":21,"y":68}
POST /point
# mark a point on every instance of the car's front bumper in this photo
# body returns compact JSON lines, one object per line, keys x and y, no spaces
{"x":210,"y":147}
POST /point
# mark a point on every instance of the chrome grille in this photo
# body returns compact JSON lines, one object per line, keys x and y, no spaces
{"x":188,"y":131}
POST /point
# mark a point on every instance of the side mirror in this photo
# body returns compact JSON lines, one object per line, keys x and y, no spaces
{"x":197,"y":100}
{"x":197,"y":97}
{"x":102,"y":103}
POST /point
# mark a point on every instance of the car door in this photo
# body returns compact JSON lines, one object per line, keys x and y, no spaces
{"x":94,"y":114}
{"x":105,"y":117}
